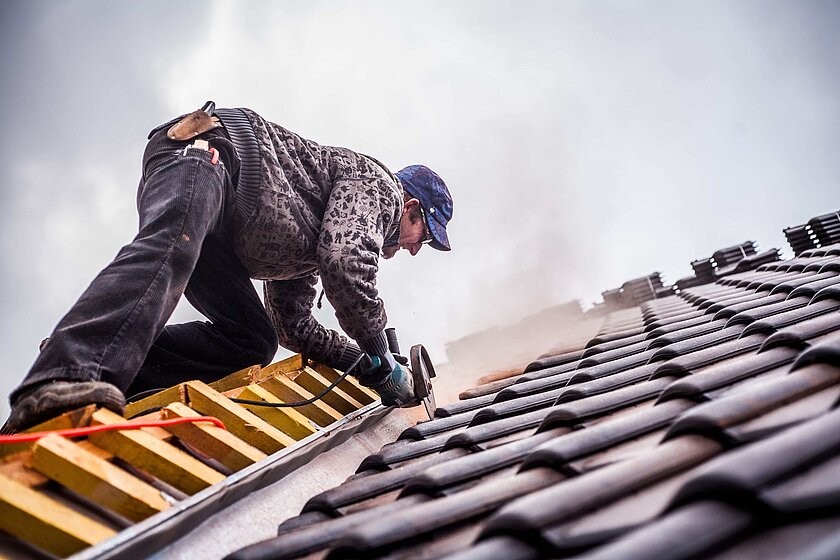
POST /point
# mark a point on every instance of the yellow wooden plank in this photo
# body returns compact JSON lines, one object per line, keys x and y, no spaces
{"x":18,"y":468}
{"x":349,"y":385}
{"x":286,"y":419}
{"x":72,"y":419}
{"x":215,"y":442}
{"x":158,"y":400}
{"x":315,"y":383}
{"x":240,"y":422}
{"x":288,"y":365}
{"x":288,"y":391}
{"x":46,"y":523}
{"x":158,"y":458}
{"x":241,"y":378}
{"x":105,"y":484}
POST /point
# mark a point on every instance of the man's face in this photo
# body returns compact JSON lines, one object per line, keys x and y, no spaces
{"x":413,"y":230}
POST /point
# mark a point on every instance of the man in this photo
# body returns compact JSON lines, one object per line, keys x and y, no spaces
{"x":226,"y":196}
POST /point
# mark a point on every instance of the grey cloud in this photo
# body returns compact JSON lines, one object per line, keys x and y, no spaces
{"x":585,"y":142}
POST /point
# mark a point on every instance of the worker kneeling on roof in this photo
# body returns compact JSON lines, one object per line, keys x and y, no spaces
{"x":226,"y":196}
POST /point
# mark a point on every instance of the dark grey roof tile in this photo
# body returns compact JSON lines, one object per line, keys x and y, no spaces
{"x":745,"y":472}
{"x":365,"y":488}
{"x":690,"y":331}
{"x":526,"y":388}
{"x":302,"y":521}
{"x":476,"y":465}
{"x":829,"y":292}
{"x":392,"y":455}
{"x":690,"y":532}
{"x":661,"y":331}
{"x":485,"y":389}
{"x":799,"y":334}
{"x":715,"y":417}
{"x":314,"y":538}
{"x":408,"y":523}
{"x":687,"y":364}
{"x":531,"y":400}
{"x":789,"y":282}
{"x":825,"y":350}
{"x":437,"y":544}
{"x":612,"y":345}
{"x":757,"y":313}
{"x":742,"y":297}
{"x":785,"y":416}
{"x":614,"y":519}
{"x":556,"y":360}
{"x":424,"y":430}
{"x":831,"y":264}
{"x":547,"y":372}
{"x":765,"y":282}
{"x":732,"y":295}
{"x":748,"y":383}
{"x":466,"y":405}
{"x":598,"y":488}
{"x":614,"y":354}
{"x":803,"y":539}
{"x":559,"y":451}
{"x":815,"y":488}
{"x":621,"y":451}
{"x":662,"y":321}
{"x":572,"y":412}
{"x":696,"y":343}
{"x":584,"y":383}
{"x":769,"y":325}
{"x":733,"y":310}
{"x":727,"y":372}
{"x":498,"y":548}
{"x":810,"y":289}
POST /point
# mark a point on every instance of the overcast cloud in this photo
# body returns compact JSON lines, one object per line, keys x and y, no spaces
{"x":585,"y":142}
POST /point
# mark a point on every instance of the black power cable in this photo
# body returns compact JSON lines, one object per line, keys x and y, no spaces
{"x":319,"y":396}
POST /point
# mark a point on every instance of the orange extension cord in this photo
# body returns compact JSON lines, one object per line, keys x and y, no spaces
{"x":78,"y":432}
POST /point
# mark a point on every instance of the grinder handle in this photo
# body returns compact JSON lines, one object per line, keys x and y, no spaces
{"x":393,"y":343}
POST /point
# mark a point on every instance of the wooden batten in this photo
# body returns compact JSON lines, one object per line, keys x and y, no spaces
{"x":290,"y":364}
{"x":349,"y":385}
{"x":240,"y":422}
{"x":158,"y":400}
{"x":315,"y":383}
{"x":288,"y":391}
{"x":72,"y":419}
{"x":52,"y":526}
{"x":85,"y":473}
{"x":240,"y":378}
{"x":156,"y":457}
{"x":211,"y":440}
{"x":287,"y":420}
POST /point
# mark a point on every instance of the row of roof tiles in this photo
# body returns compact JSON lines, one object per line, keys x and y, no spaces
{"x":701,"y":424}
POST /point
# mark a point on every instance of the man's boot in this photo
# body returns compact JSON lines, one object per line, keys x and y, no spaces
{"x":48,"y":400}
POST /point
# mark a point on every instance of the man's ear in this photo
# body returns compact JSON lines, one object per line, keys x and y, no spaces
{"x":410,"y":205}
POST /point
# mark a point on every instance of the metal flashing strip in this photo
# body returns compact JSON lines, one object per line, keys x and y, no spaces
{"x":160,"y":530}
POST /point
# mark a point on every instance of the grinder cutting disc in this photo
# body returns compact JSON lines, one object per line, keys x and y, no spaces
{"x":422,"y":371}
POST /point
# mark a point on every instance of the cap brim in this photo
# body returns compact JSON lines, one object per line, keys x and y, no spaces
{"x":440,"y":240}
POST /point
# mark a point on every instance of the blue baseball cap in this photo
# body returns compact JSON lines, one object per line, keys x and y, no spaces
{"x":426,"y":186}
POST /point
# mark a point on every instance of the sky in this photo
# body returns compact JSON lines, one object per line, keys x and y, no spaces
{"x":585,"y":142}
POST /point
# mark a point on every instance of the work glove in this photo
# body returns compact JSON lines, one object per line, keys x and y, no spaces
{"x":373,"y":370}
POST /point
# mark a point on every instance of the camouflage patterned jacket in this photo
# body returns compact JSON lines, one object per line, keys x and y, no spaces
{"x":311,"y":210}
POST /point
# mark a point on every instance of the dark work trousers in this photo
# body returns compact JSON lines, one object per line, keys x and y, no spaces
{"x":116,"y":330}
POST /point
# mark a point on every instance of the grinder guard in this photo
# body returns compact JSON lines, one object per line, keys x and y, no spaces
{"x":422,"y":371}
